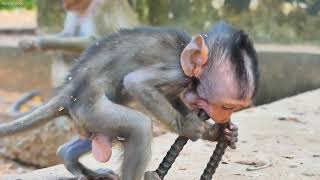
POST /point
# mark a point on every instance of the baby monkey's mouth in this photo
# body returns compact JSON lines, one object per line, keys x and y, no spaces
{"x":203,"y":115}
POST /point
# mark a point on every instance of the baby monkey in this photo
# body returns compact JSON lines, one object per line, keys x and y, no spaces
{"x":175,"y":77}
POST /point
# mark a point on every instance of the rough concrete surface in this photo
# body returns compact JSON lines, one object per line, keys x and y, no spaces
{"x":33,"y":147}
{"x":283,"y":133}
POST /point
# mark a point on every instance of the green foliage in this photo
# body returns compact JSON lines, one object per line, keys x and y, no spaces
{"x":13,"y":4}
{"x":266,"y":23}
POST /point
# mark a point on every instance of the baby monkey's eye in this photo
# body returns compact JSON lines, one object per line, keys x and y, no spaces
{"x":227,"y":107}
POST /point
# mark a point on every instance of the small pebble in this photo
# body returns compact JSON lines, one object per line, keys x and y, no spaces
{"x":293,"y":166}
{"x":288,"y":157}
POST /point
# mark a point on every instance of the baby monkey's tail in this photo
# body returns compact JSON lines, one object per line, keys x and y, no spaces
{"x":53,"y":108}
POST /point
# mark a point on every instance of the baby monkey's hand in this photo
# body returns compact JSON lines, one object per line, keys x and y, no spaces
{"x":230,"y":133}
{"x":192,"y":127}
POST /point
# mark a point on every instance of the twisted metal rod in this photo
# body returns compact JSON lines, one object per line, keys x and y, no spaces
{"x":171,"y":156}
{"x":214,"y":159}
{"x":177,"y":147}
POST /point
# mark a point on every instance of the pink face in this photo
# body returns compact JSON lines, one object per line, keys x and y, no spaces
{"x":219,"y":98}
{"x":219,"y":104}
{"x":221,"y":110}
{"x":217,"y":92}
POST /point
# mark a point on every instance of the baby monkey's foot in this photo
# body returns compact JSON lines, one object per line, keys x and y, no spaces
{"x":99,"y":174}
{"x":151,"y":175}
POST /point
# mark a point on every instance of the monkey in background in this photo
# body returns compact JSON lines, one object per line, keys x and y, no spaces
{"x":85,"y":21}
{"x":79,"y":22}
{"x":80,"y":16}
{"x":79,"y":31}
{"x":175,"y":77}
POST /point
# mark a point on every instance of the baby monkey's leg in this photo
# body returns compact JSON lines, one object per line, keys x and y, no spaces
{"x":104,"y":120}
{"x":70,"y":154}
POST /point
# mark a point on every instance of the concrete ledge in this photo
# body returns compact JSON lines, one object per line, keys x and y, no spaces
{"x":295,"y":67}
{"x":24,"y":71}
{"x":283,"y":133}
{"x":292,"y":48}
{"x":285,"y":74}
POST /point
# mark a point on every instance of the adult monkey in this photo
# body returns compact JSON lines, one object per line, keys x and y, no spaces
{"x":171,"y":75}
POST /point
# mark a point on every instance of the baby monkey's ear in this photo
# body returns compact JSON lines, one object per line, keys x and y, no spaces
{"x":194,"y":56}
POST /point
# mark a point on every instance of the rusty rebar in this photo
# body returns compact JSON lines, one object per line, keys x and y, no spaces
{"x":214,"y":159}
{"x":177,"y":147}
{"x":171,"y":156}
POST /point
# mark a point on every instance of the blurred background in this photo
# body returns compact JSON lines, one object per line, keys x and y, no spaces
{"x":285,"y":32}
{"x":267,"y":21}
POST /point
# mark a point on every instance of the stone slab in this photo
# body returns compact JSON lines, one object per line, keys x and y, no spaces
{"x":283,"y":133}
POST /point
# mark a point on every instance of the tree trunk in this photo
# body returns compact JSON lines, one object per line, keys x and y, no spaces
{"x":50,"y":15}
{"x":159,"y":11}
{"x":114,"y":15}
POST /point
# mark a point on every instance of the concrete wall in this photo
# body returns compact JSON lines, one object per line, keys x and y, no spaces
{"x":282,"y":73}
{"x":285,"y":74}
{"x":24,"y":71}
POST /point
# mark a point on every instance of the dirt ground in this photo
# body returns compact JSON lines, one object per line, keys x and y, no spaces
{"x":277,"y":141}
